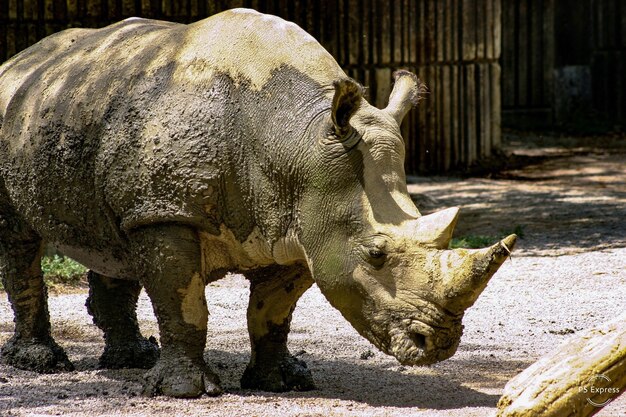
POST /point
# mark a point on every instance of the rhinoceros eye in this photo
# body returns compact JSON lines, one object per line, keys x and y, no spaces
{"x":376,"y":257}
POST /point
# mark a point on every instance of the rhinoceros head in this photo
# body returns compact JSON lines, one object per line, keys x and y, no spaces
{"x":384,"y":266}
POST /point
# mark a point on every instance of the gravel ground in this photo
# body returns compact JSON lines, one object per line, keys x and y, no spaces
{"x":568,"y":273}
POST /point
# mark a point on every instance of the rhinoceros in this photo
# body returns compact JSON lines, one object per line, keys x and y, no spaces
{"x":164,"y":156}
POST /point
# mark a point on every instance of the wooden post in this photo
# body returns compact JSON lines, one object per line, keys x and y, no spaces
{"x":575,"y":379}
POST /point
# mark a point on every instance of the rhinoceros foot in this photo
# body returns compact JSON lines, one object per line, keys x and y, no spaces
{"x":45,"y":357}
{"x":139,"y":353}
{"x":181,"y":377}
{"x":287,"y":374}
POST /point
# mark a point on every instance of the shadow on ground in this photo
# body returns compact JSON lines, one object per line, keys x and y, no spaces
{"x":394,"y":386}
{"x":566,"y":200}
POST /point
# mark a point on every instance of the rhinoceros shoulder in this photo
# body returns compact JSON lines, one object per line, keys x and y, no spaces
{"x":250,"y":47}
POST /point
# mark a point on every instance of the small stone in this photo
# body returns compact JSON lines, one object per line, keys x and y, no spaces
{"x":367,"y":355}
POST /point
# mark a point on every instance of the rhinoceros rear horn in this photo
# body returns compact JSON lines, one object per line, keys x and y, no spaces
{"x":348,"y":95}
{"x":407,"y":92}
{"x":435,"y":230}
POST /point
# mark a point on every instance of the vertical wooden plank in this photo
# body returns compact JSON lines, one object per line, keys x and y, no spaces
{"x":329,"y":19}
{"x":48,"y":11}
{"x":610,"y":24}
{"x":548,"y":51}
{"x":193,"y":11}
{"x":522,"y":51}
{"x":127,"y":9}
{"x":619,"y":86}
{"x":4,"y":11}
{"x":439,"y":13}
{"x":536,"y":56}
{"x":396,"y":32}
{"x":354,"y":30}
{"x":406,"y":23}
{"x":445,"y":116}
{"x":480,"y":27}
{"x":622,"y":24}
{"x":72,"y":9}
{"x":455,"y":117}
{"x":145,"y":9}
{"x":468,"y":13}
{"x":449,"y":31}
{"x":430,"y":31}
{"x":423,"y":127}
{"x":344,"y":45}
{"x":360,"y":41}
{"x":470,"y":112}
{"x":430,"y":136}
{"x":508,"y":56}
{"x":383,"y":87}
{"x":92,"y":9}
{"x":489,"y":29}
{"x":386,"y":32}
{"x":10,"y":40}
{"x":600,"y":27}
{"x":456,"y":29}
{"x":497,"y":27}
{"x":421,"y":32}
{"x":12,"y":9}
{"x":496,"y":106}
{"x":484,"y":96}
{"x":30,"y":10}
{"x":3,"y":37}
{"x":414,"y":24}
{"x":60,"y":11}
{"x":4,"y":31}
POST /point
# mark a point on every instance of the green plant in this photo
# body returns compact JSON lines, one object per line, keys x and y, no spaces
{"x":60,"y":270}
{"x":480,"y":241}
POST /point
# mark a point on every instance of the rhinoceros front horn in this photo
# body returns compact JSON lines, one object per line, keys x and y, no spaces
{"x":469,"y":271}
{"x":406,"y":93}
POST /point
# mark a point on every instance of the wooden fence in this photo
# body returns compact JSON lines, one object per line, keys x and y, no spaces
{"x":453,"y":45}
{"x":564,"y":63}
{"x":528,"y":60}
{"x":608,"y":59}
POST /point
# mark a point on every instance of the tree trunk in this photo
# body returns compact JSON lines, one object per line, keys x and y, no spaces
{"x":576,"y":379}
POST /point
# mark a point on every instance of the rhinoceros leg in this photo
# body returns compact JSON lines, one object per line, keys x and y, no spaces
{"x":273,"y":296}
{"x":170,"y":260}
{"x":112,"y":303}
{"x":32,"y":346}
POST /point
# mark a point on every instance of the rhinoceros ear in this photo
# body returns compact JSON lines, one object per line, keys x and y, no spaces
{"x":348,"y":95}
{"x":407,"y":92}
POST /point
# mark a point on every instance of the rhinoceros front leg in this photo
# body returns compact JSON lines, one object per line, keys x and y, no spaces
{"x":112,"y":303}
{"x":169,"y":258}
{"x":32,"y":346}
{"x":273,"y":295}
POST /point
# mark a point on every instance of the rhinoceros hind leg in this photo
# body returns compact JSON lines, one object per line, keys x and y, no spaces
{"x":112,"y":303}
{"x":32,"y":346}
{"x":273,"y":296}
{"x":169,"y":258}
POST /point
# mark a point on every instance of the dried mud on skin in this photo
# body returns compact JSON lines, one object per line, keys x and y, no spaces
{"x":568,"y":273}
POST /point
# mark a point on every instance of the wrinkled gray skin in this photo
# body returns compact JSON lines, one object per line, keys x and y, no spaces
{"x":165,"y":155}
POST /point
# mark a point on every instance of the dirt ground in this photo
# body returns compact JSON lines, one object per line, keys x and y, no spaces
{"x":567,"y":195}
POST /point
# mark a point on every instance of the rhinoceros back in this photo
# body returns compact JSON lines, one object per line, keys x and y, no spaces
{"x":143,"y":121}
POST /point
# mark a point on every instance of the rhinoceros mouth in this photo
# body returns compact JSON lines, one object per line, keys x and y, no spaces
{"x":414,"y":342}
